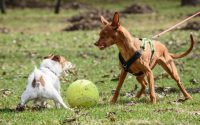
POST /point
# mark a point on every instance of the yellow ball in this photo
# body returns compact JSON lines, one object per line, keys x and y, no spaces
{"x":82,"y":93}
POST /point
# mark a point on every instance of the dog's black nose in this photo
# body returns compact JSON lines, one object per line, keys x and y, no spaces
{"x":96,"y":44}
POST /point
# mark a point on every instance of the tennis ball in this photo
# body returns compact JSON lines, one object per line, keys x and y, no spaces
{"x":82,"y":93}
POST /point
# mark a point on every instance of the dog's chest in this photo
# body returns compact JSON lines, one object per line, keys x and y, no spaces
{"x":134,"y":68}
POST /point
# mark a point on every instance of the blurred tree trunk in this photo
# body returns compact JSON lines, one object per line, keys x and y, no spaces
{"x":190,"y":2}
{"x":2,"y":6}
{"x":57,"y":7}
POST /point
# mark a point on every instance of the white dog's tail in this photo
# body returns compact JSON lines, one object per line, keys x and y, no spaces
{"x":38,"y":79}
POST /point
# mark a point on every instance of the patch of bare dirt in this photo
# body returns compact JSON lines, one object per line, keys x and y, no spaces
{"x":4,"y":30}
{"x":169,"y":110}
{"x":194,"y":25}
{"x":137,"y":9}
{"x":75,"y":5}
{"x":165,"y":90}
{"x":193,"y":90}
{"x":89,"y":20}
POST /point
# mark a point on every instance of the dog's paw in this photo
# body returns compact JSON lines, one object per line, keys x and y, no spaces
{"x":20,"y":108}
{"x":189,"y":97}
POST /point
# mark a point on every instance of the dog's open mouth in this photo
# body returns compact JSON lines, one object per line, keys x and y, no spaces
{"x":102,"y":47}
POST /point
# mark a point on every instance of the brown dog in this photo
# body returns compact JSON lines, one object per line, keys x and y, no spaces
{"x":114,"y":33}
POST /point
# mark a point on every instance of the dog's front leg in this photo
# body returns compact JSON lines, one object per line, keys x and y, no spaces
{"x":120,"y":83}
{"x":150,"y":79}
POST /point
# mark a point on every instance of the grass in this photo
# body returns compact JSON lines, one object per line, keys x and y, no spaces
{"x":34,"y":33}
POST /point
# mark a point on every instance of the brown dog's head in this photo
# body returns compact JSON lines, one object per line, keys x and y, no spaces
{"x":109,"y":32}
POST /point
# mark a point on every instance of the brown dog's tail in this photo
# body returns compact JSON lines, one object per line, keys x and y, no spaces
{"x":176,"y":56}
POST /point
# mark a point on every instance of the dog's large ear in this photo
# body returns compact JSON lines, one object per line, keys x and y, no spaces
{"x":104,"y":21}
{"x":56,"y":58}
{"x":48,"y":57}
{"x":115,"y":21}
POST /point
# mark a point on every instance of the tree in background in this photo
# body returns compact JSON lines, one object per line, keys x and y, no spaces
{"x":2,"y":6}
{"x":57,"y":6}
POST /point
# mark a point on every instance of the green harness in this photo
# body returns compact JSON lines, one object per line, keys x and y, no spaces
{"x":150,"y":42}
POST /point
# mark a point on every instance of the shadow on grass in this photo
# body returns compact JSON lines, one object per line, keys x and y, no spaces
{"x":7,"y":110}
{"x":126,"y":102}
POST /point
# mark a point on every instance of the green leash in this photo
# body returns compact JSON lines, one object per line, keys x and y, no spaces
{"x":150,"y":42}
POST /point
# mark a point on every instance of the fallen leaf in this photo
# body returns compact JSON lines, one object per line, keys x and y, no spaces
{"x":106,"y":76}
{"x":131,"y":103}
{"x":100,"y":81}
{"x":69,"y":120}
{"x":111,"y":116}
{"x":194,"y":81}
{"x":115,"y":77}
{"x":181,"y":100}
{"x":197,"y":113}
{"x":5,"y":92}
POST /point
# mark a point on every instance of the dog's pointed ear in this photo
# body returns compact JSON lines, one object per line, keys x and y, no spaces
{"x":56,"y":58}
{"x":104,"y":21}
{"x":48,"y":57}
{"x":115,"y":21}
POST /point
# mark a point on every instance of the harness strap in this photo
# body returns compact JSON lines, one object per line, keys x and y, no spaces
{"x":127,"y":64}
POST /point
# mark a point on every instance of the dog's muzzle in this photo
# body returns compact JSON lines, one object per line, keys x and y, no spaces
{"x":100,"y":45}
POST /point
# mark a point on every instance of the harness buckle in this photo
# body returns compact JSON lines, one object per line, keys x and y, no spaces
{"x":125,"y":67}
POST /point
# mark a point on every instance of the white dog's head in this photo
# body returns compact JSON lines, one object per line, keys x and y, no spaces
{"x":57,"y":59}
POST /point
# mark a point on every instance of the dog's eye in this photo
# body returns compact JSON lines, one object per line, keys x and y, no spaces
{"x":102,"y":37}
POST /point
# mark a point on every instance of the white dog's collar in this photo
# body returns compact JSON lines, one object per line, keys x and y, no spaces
{"x":50,"y":70}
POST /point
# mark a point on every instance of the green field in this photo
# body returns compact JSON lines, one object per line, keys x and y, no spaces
{"x":35,"y":33}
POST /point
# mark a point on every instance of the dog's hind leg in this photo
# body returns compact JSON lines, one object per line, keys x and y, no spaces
{"x":170,"y":68}
{"x":142,"y":81}
{"x":26,"y":96}
{"x":57,"y":98}
{"x":57,"y":104}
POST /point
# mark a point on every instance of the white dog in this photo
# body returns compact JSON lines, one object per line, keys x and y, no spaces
{"x":44,"y":83}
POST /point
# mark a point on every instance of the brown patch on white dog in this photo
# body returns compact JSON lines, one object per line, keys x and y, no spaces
{"x":42,"y":81}
{"x":34,"y":83}
{"x":59,"y":59}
